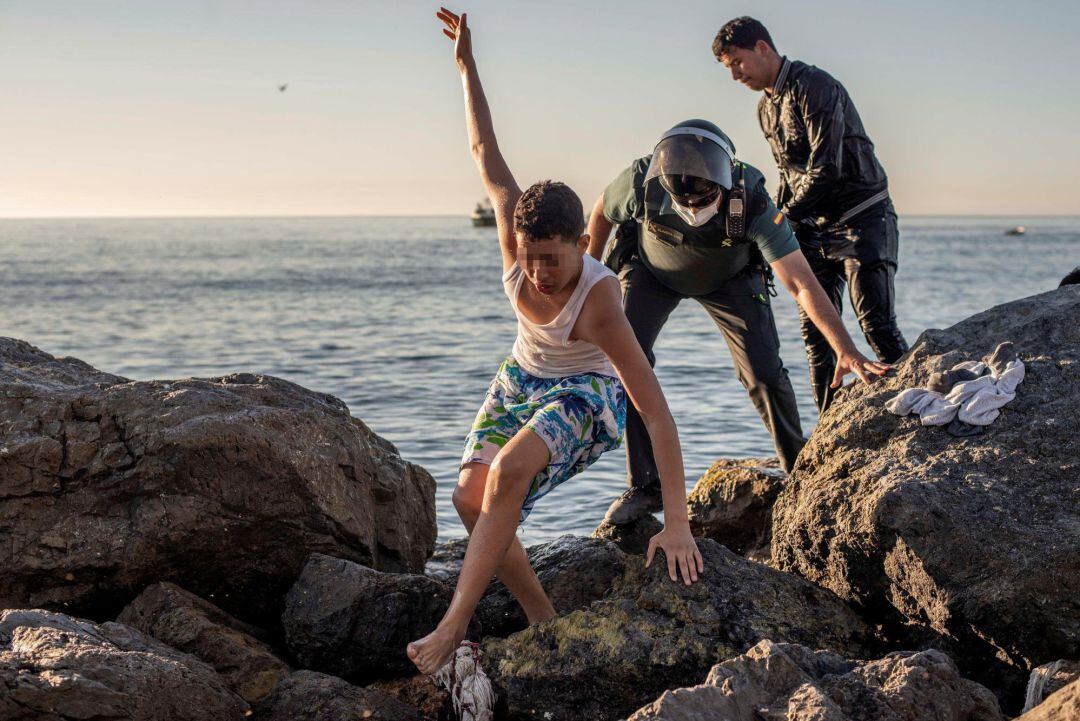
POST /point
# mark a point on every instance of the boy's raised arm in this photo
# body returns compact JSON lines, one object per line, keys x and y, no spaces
{"x":502,"y":189}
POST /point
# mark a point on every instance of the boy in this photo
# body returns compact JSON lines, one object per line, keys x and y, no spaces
{"x":558,"y":401}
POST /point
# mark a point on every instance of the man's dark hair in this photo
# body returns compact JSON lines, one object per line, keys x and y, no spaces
{"x":741,"y":32}
{"x":549,"y":209}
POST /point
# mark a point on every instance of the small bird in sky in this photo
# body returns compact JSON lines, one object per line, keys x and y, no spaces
{"x":283,"y":88}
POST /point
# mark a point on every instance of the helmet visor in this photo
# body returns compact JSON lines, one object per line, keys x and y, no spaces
{"x":690,"y":191}
{"x":684,"y":153}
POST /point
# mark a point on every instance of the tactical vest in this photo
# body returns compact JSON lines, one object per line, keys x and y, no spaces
{"x":697,"y":261}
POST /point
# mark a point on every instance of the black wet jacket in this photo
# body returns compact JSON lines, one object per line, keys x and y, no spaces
{"x":826,"y":161}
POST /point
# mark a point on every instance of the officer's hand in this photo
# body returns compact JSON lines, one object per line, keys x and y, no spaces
{"x":855,"y":362}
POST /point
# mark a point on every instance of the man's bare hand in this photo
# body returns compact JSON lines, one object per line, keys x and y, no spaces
{"x":855,"y":362}
{"x":681,"y":552}
{"x":457,"y":29}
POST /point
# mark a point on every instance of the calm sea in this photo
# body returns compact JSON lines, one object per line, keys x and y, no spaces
{"x":404,"y":319}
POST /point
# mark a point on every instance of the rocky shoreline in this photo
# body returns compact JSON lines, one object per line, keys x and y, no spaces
{"x":241,"y":547}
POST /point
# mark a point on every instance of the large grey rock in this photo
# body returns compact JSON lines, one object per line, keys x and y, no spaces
{"x":355,"y":622}
{"x":976,"y":540}
{"x":651,"y":633}
{"x":1062,"y":705}
{"x":732,"y":504}
{"x":312,"y":696}
{"x":222,"y":485}
{"x":188,"y":623}
{"x":58,"y":668}
{"x":793,"y":683}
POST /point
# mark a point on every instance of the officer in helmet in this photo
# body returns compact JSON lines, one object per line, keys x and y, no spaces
{"x":696,"y":223}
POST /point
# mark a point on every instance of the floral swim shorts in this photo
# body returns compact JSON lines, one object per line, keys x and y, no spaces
{"x":578,"y":417}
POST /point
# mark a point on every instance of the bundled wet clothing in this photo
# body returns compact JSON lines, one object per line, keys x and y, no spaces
{"x":835,"y":193}
{"x":661,"y":260}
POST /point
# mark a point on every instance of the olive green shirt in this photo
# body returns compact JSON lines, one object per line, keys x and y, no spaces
{"x":769,"y":230}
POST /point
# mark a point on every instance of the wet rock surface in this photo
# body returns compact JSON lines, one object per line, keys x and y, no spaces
{"x":651,"y":634}
{"x":732,"y":504}
{"x":313,"y":696}
{"x":58,"y":668}
{"x":221,"y":485}
{"x":188,"y":623}
{"x":355,"y":622}
{"x":445,"y":562}
{"x":974,"y":540}
{"x":795,"y":683}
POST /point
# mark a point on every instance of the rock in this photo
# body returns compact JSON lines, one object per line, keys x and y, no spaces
{"x":976,"y":540}
{"x":58,"y":668}
{"x":421,"y":693}
{"x":732,"y":503}
{"x":1062,"y":705}
{"x":574,"y":572}
{"x":1048,"y":679}
{"x":313,"y":696}
{"x":445,"y":563}
{"x":632,"y":537}
{"x":794,"y":683}
{"x":354,"y":622}
{"x":188,"y":623}
{"x":650,"y":634}
{"x":223,"y":486}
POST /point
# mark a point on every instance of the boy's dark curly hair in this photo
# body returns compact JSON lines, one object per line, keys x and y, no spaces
{"x":549,"y":209}
{"x":742,"y":33}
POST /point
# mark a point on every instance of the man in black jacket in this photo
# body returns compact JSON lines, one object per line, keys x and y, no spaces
{"x":832,"y":189}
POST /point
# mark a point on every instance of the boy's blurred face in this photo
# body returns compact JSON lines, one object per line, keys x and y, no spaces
{"x":550,"y":264}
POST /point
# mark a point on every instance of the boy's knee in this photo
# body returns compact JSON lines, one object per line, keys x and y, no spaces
{"x":508,"y":479}
{"x":467,"y":501}
{"x":463,"y":500}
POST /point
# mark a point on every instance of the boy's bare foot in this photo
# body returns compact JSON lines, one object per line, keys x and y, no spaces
{"x":431,"y":652}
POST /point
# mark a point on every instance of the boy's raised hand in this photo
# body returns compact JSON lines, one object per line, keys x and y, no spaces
{"x":680,"y":550}
{"x":457,"y":29}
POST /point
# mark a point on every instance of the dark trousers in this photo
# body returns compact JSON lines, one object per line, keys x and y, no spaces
{"x":750,"y":331}
{"x":861,"y":254}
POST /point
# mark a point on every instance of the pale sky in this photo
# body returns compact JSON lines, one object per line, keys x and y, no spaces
{"x":171,"y":108}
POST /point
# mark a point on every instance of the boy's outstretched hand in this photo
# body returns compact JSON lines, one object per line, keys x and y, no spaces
{"x":680,"y":549}
{"x":457,"y":29}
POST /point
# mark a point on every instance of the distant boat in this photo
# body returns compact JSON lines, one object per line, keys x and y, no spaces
{"x":1018,"y":230}
{"x":483,"y":215}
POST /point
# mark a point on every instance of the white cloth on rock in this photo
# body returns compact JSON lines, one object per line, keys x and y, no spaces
{"x":977,"y":402}
{"x":469,"y":687}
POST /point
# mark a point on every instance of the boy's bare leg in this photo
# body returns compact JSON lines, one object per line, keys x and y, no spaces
{"x":508,"y":482}
{"x":515,"y":571}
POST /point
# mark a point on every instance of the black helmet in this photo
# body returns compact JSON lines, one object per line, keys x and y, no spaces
{"x":693,"y":161}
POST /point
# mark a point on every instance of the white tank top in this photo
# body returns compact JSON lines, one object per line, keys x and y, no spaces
{"x":545,"y":350}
